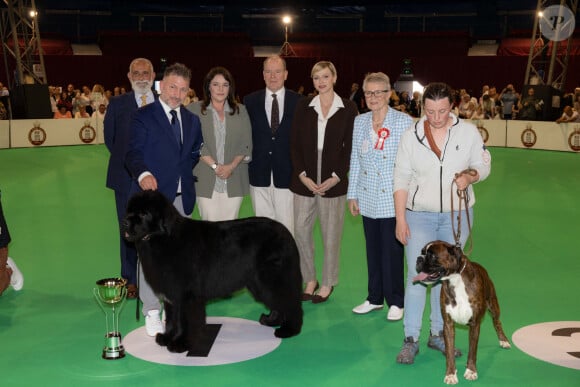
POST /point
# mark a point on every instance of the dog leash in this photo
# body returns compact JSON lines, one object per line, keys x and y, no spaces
{"x":463,"y":199}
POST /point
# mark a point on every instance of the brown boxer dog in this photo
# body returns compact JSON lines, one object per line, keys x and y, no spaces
{"x":466,"y":293}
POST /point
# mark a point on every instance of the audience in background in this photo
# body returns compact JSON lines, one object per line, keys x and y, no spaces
{"x":3,"y":112}
{"x":53,"y":94}
{"x":97,"y":97}
{"x":569,"y":115}
{"x":62,"y":112}
{"x":415,"y":105}
{"x":191,"y":97}
{"x":65,"y":101}
{"x":100,"y":112}
{"x":466,"y":107}
{"x":82,"y":113}
{"x":530,"y":107}
{"x":509,"y":102}
{"x":357,"y":97}
{"x":507,"y":105}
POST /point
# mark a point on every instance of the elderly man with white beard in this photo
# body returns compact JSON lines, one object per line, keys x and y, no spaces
{"x":116,"y":128}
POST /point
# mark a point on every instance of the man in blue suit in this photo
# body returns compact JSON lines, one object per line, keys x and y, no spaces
{"x":165,"y":140}
{"x":117,"y":121}
{"x":270,"y":168}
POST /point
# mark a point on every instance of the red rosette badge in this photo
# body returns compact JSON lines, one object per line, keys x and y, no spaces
{"x":384,"y":133}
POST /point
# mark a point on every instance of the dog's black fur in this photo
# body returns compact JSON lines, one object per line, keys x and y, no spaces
{"x":189,"y":262}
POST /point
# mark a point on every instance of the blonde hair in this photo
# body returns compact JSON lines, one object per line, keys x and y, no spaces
{"x":323,"y":64}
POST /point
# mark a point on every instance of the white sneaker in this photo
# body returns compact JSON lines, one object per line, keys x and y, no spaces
{"x":17,"y":279}
{"x":395,"y":313}
{"x":366,"y":307}
{"x":153,"y":324}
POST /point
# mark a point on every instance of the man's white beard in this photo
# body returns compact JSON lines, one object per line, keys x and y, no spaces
{"x":141,"y":87}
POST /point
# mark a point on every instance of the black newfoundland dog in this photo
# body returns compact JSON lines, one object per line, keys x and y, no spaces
{"x":189,"y":262}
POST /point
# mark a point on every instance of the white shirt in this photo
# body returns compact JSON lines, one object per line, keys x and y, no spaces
{"x":167,"y":109}
{"x":280,"y":94}
{"x":322,"y":121}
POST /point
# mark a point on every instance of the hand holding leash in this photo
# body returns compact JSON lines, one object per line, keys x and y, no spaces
{"x":464,"y":178}
{"x":462,"y":181}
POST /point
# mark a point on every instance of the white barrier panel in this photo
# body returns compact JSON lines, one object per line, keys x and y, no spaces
{"x":493,"y":132}
{"x":4,"y":134}
{"x":51,"y":132}
{"x":543,"y":135}
{"x":498,"y":133}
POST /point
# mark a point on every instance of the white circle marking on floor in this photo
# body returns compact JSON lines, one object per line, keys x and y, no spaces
{"x":238,"y":340}
{"x":556,"y":342}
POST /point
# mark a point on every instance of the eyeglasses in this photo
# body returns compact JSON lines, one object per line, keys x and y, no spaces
{"x":376,"y":93}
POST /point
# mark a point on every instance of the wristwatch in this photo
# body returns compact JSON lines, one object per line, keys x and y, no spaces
{"x":214,"y":166}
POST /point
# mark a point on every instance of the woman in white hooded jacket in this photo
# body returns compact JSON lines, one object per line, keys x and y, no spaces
{"x":440,"y":149}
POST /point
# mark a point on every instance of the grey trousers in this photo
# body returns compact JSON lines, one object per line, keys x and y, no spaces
{"x":330,"y":213}
{"x":148,"y":298}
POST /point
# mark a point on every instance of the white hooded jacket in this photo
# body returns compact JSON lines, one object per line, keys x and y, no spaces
{"x":428,"y":179}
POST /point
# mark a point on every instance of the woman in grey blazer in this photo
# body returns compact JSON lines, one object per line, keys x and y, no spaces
{"x":222,"y":174}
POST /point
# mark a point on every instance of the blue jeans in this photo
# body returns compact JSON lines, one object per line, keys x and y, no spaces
{"x":426,"y":227}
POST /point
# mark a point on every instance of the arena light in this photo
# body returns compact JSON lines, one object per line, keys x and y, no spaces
{"x":286,"y":49}
{"x":418,"y":87}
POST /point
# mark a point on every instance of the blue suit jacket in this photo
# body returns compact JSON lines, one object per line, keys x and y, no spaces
{"x":116,"y":128}
{"x":153,"y":148}
{"x":270,"y":154}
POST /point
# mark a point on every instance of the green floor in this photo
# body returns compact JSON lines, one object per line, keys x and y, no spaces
{"x":63,"y":225}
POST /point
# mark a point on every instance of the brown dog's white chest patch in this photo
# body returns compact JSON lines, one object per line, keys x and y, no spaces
{"x":460,"y":311}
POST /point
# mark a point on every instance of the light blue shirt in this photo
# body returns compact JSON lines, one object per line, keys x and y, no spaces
{"x":371,"y":170}
{"x":150,"y":98}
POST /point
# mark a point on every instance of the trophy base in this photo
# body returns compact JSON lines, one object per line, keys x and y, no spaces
{"x":113,"y":349}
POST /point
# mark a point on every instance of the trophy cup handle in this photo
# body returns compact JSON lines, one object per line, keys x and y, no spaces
{"x":121,"y":303}
{"x":96,"y":294}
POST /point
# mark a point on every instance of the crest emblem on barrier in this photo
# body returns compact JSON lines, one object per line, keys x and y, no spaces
{"x":36,"y":135}
{"x":529,"y":137}
{"x":87,"y":134}
{"x":574,"y":139}
{"x":484,"y":133}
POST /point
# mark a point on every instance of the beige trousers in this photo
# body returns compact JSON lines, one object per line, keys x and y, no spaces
{"x":330,"y":213}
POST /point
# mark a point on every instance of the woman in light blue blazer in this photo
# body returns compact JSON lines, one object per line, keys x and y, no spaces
{"x":370,"y":193}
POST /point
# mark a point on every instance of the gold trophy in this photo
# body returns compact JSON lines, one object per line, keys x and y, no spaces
{"x":111,"y":295}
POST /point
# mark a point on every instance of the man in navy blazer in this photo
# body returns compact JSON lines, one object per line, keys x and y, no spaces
{"x":270,"y":168}
{"x":116,"y":128}
{"x":161,"y":159}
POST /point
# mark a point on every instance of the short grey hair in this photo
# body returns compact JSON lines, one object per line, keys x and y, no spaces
{"x":378,"y":78}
